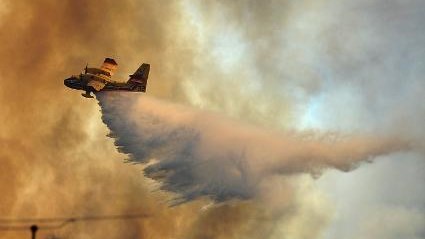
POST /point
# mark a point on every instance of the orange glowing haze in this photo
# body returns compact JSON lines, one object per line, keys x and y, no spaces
{"x":262,"y":117}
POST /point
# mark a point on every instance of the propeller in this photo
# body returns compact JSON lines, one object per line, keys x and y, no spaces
{"x":85,"y":69}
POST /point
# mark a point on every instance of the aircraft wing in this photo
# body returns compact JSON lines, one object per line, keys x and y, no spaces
{"x":97,"y":85}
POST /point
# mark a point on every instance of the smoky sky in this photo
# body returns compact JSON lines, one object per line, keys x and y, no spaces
{"x":56,"y":160}
{"x":341,"y":66}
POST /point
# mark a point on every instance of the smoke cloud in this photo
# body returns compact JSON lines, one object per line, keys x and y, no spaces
{"x":55,"y":158}
{"x":338,"y":66}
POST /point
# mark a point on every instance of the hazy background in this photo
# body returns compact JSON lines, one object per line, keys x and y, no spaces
{"x":352,"y":67}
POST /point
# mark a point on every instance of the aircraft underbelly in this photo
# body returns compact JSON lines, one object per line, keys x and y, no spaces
{"x":117,"y":86}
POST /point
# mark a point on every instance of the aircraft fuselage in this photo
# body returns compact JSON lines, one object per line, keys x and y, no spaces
{"x":80,"y":83}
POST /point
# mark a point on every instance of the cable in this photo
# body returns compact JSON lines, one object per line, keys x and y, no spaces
{"x":59,"y":222}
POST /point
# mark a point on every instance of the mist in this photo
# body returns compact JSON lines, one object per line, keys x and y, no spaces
{"x":195,"y":153}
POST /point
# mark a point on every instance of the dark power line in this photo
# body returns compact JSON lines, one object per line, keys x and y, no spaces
{"x":10,"y":221}
{"x":21,"y":224}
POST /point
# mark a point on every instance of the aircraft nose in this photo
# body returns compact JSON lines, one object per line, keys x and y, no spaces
{"x":69,"y":81}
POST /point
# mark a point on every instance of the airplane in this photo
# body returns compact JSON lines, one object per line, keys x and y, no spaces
{"x":100,"y":79}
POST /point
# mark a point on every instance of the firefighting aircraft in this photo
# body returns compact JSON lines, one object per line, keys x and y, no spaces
{"x":100,"y":79}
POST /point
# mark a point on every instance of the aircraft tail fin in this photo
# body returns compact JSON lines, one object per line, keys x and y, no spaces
{"x":140,"y":78}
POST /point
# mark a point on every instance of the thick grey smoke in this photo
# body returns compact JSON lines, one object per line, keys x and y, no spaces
{"x":195,"y":153}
